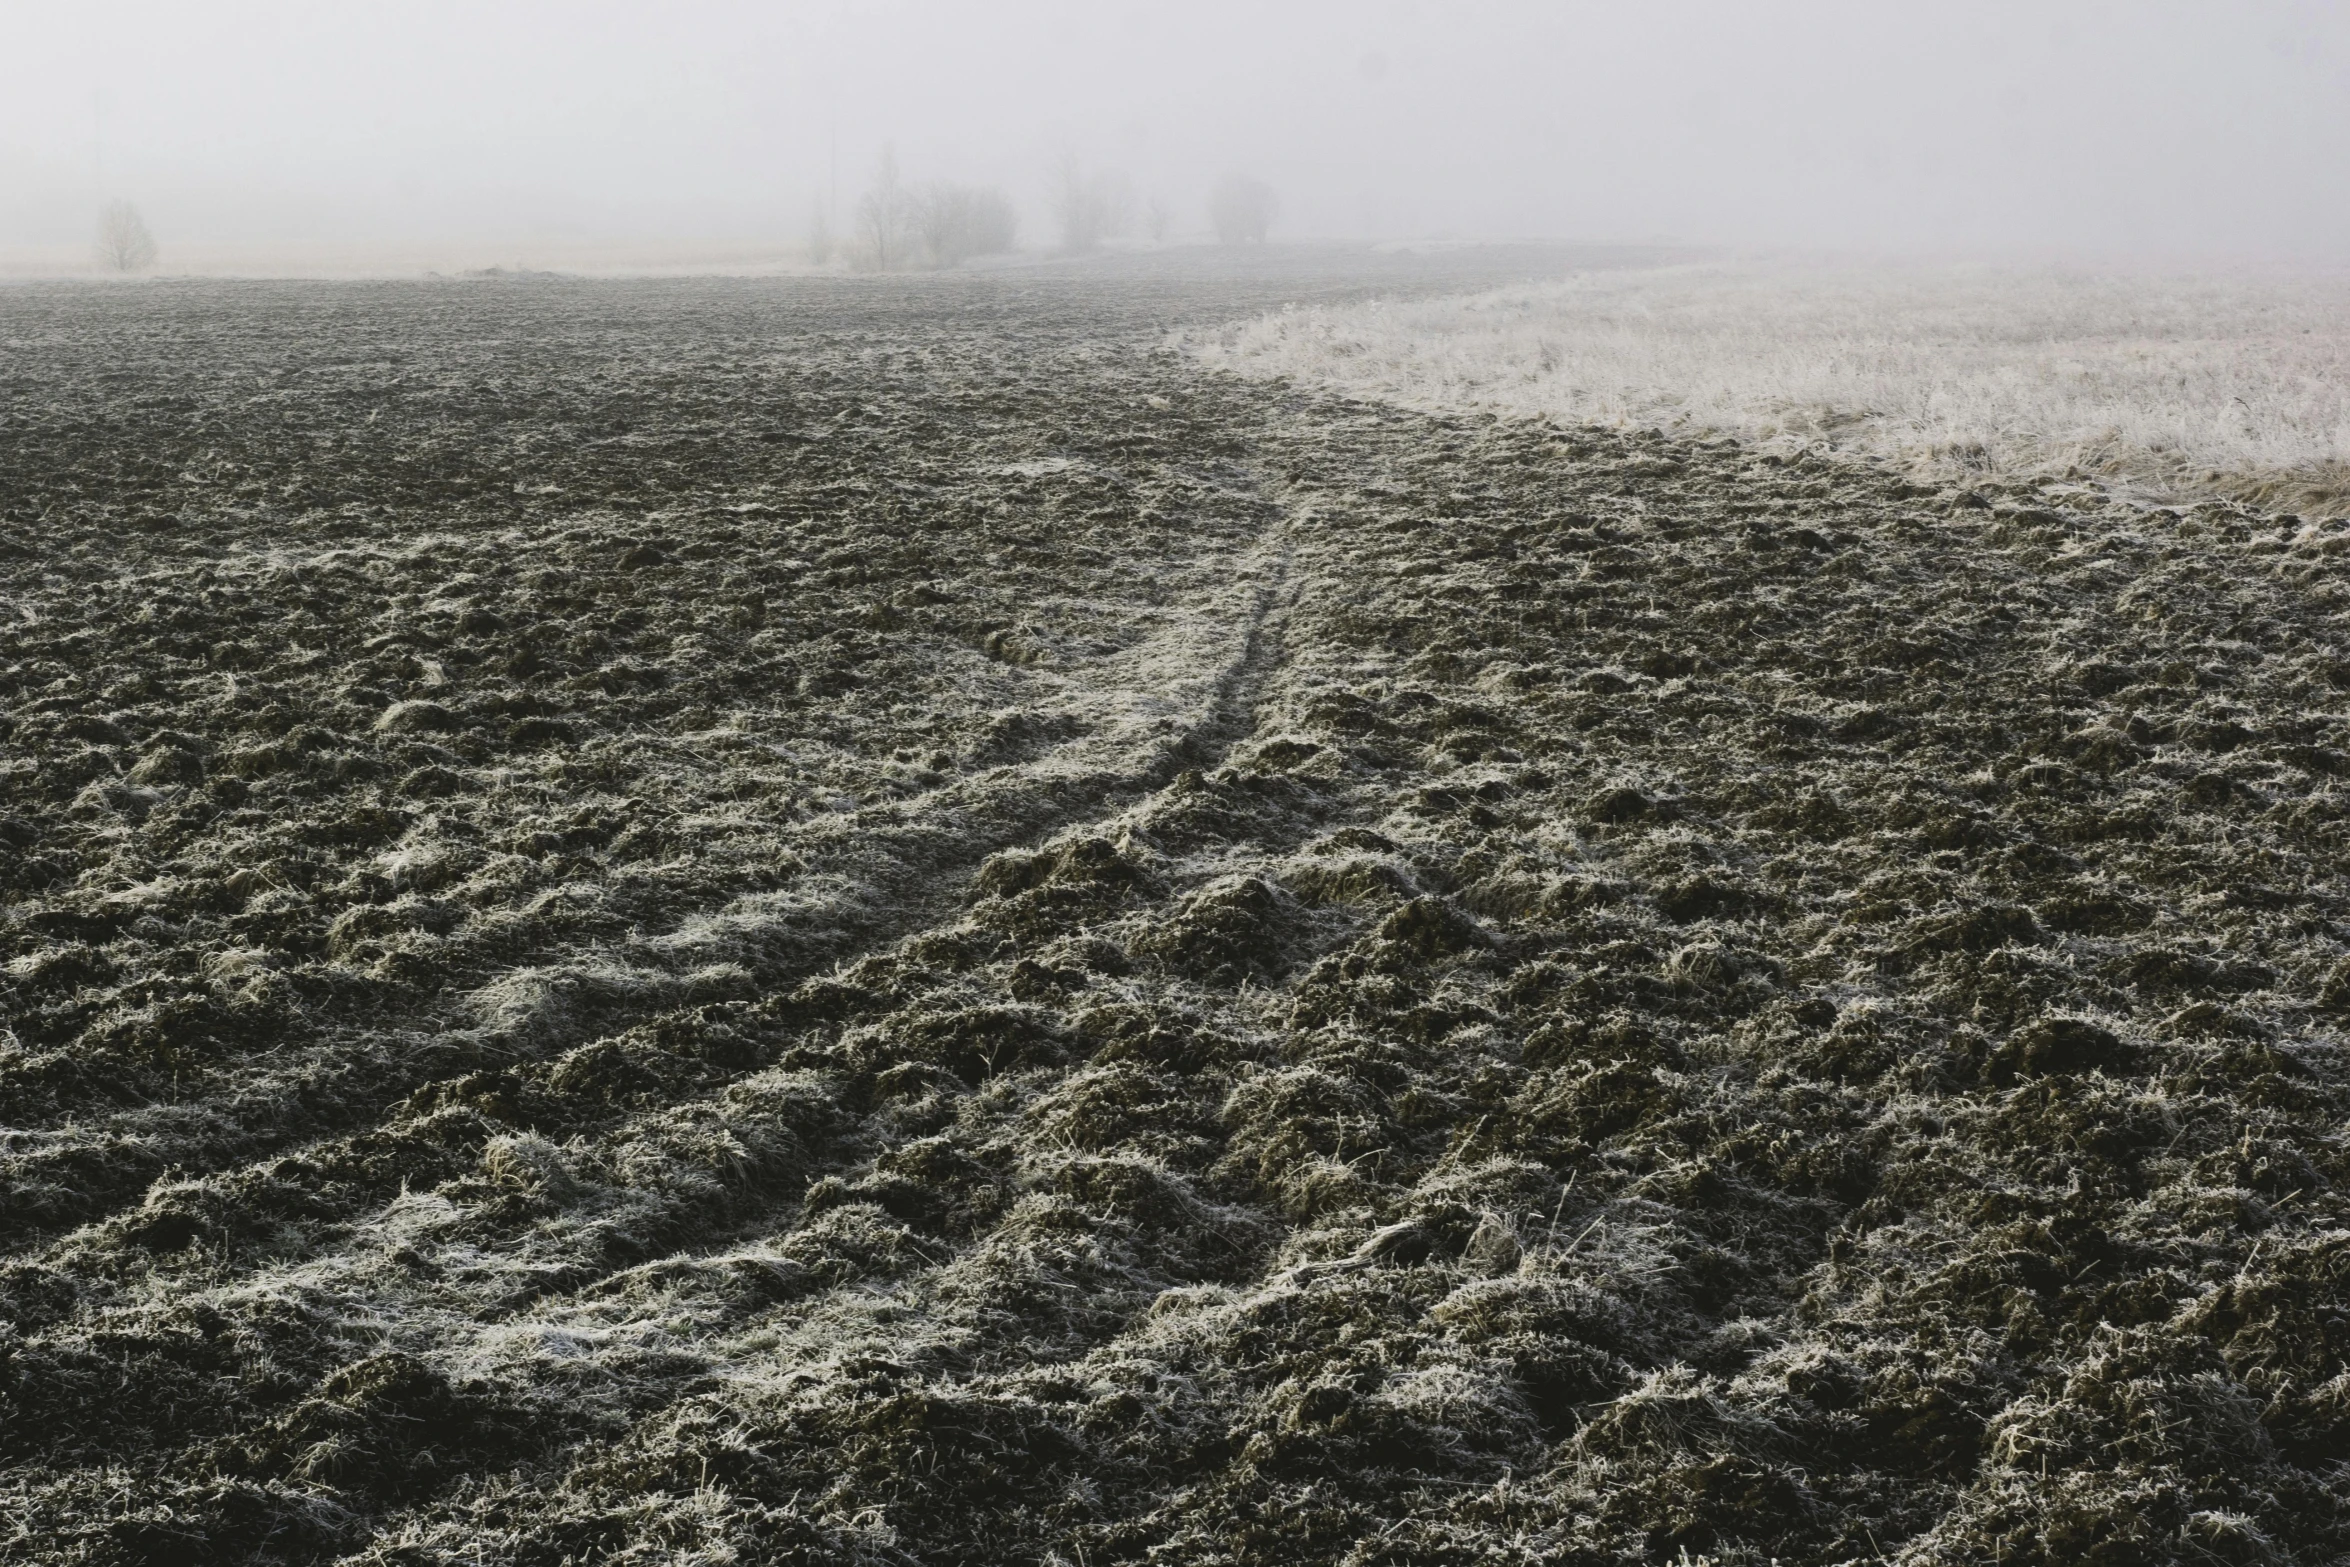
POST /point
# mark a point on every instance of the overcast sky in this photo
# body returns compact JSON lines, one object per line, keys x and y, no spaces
{"x":2156,"y":126}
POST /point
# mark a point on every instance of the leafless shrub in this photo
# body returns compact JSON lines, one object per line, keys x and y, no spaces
{"x":940,"y":225}
{"x":124,"y":245}
{"x":957,"y":222}
{"x":1242,"y":210}
{"x":1092,"y":205}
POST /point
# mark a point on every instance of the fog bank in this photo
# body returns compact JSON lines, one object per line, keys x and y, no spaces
{"x":532,"y":133}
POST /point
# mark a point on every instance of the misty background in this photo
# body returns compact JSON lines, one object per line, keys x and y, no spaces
{"x":253,"y":132}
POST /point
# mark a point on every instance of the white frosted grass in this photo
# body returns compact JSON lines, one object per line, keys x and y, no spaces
{"x":2234,"y":384}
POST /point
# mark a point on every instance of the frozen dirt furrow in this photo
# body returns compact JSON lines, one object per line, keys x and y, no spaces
{"x":1644,"y":1000}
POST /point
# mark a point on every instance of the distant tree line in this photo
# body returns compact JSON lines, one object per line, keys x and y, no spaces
{"x":898,"y":227}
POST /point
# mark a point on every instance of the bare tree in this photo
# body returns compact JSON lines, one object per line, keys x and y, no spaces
{"x":885,"y":219}
{"x":957,"y":222}
{"x":1092,"y":205}
{"x":1242,"y":209}
{"x":1158,"y":220}
{"x":124,"y":245}
{"x":820,"y":244}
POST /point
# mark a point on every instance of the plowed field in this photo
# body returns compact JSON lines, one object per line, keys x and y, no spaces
{"x":879,"y":922}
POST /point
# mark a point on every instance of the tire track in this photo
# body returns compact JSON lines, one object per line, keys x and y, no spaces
{"x":1187,"y":708}
{"x":860,"y":876}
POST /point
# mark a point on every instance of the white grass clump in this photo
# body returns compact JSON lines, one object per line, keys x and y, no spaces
{"x":2236,"y":384}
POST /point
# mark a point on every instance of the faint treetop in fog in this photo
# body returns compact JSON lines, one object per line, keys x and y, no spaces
{"x":1092,"y":205}
{"x":820,"y":233}
{"x":124,"y":245}
{"x":1242,"y":210}
{"x":885,"y":219}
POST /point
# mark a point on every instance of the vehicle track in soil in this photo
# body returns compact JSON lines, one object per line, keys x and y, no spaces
{"x":1392,"y":988}
{"x":853,"y":858}
{"x":885,"y":866}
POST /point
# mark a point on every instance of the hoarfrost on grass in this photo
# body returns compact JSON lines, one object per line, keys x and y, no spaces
{"x":2231,"y":384}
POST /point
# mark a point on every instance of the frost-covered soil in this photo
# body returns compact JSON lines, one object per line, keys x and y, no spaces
{"x":880,"y":923}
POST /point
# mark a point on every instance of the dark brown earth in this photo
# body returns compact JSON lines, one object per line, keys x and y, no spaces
{"x":876,"y":922}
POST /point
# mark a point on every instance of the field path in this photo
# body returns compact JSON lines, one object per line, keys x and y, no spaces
{"x":880,"y":923}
